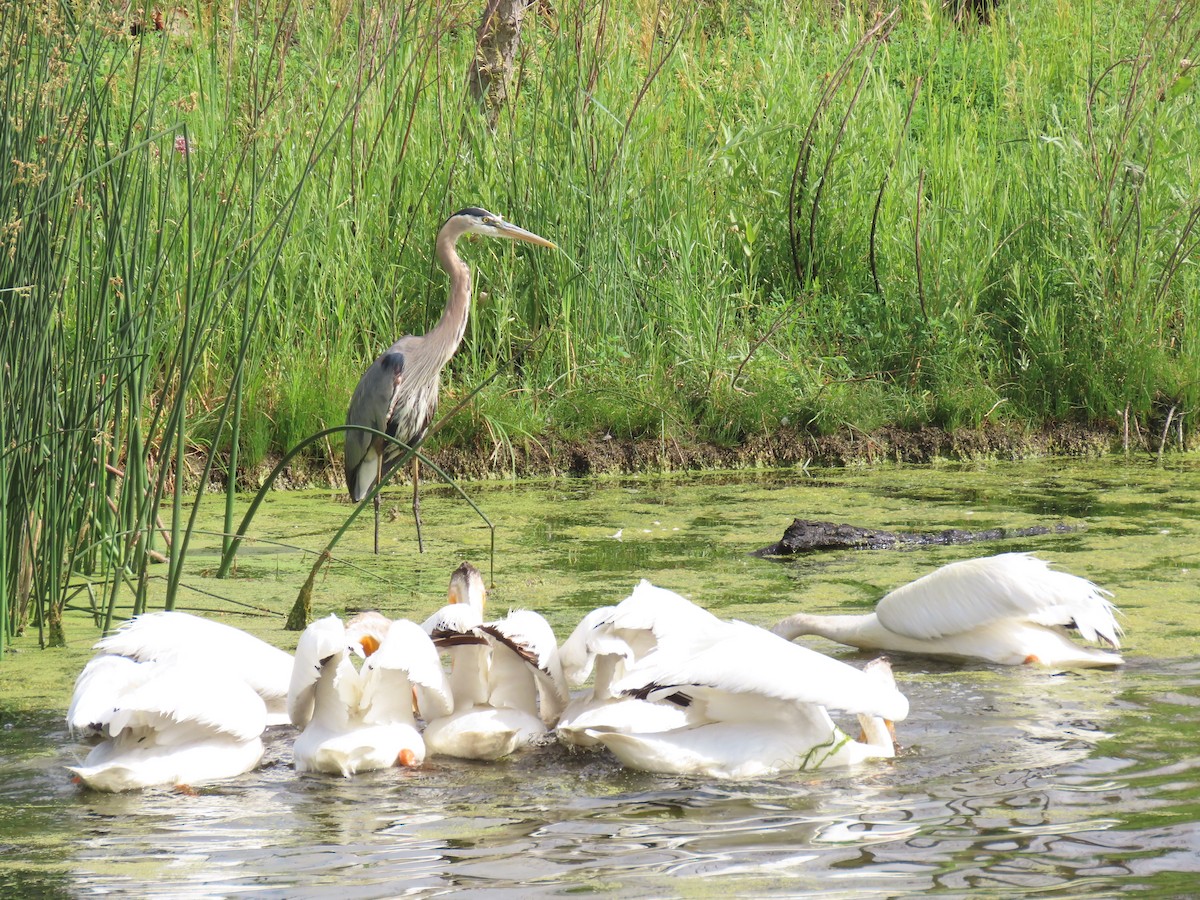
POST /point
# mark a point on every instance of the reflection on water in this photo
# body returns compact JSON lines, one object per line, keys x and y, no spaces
{"x":1010,"y":780}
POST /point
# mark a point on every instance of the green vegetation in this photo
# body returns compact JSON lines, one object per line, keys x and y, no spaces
{"x":768,"y":215}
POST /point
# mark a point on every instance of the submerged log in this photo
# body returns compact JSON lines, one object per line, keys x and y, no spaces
{"x":807,"y":536}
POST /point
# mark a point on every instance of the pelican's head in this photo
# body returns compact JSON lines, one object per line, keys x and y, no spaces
{"x":365,"y":632}
{"x":473,"y":220}
{"x":466,"y":586}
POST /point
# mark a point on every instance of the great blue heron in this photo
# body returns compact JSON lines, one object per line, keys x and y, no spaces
{"x":399,"y":393}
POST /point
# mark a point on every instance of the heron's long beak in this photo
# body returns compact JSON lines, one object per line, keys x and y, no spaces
{"x":513,"y":233}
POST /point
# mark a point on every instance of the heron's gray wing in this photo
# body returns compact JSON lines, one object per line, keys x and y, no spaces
{"x":369,"y":407}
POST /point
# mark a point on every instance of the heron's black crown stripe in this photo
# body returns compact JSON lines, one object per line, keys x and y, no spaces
{"x":477,"y":211}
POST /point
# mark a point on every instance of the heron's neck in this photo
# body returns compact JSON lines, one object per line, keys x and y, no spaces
{"x":447,"y":334}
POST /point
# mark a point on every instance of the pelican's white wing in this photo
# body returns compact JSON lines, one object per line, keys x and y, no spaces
{"x":633,"y":628}
{"x":407,"y":652}
{"x":531,"y":638}
{"x":115,"y":692}
{"x":179,"y":695}
{"x":972,"y":593}
{"x":321,"y":641}
{"x":169,"y":636}
{"x":747,"y":660}
{"x":453,"y":618}
{"x":98,"y":689}
{"x":661,"y":613}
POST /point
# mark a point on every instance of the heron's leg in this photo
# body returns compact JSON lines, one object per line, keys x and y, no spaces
{"x":376,"y":524}
{"x":417,"y":502}
{"x":378,"y":478}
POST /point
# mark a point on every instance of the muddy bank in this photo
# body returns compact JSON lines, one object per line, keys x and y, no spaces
{"x":611,"y":456}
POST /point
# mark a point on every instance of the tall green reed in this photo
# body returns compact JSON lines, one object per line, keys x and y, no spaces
{"x":148,"y":215}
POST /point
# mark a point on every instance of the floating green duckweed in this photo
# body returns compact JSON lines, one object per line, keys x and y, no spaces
{"x":566,"y":546}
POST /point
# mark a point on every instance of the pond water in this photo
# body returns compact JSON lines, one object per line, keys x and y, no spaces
{"x":1011,"y":781}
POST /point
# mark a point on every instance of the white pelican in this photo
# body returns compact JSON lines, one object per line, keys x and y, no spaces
{"x":355,"y":720}
{"x":607,"y":641}
{"x":164,"y":722}
{"x":506,"y":677}
{"x":756,"y":706}
{"x":1009,"y":609}
{"x":168,"y":637}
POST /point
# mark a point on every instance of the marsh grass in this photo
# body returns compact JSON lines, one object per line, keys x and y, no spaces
{"x":767,"y":214}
